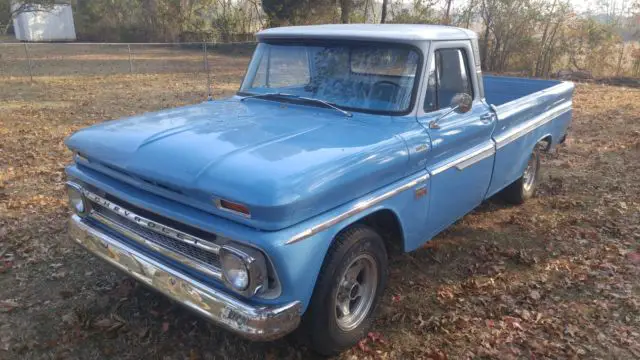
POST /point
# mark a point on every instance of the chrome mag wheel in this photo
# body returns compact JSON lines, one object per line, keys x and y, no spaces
{"x":529,"y":177}
{"x":356,"y":292}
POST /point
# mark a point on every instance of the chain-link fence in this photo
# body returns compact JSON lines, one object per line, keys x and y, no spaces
{"x":205,"y":62}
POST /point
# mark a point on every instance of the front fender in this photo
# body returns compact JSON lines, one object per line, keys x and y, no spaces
{"x":299,"y":252}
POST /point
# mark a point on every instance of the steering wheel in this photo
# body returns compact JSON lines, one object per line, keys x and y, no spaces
{"x":386,"y":82}
{"x":378,"y":90}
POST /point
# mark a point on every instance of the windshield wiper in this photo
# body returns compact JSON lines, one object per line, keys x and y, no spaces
{"x":292,"y":96}
{"x":264,"y":95}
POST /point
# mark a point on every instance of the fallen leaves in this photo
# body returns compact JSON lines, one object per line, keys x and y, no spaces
{"x":109,"y":324}
{"x":5,"y":266}
{"x":437,"y":355}
{"x":372,"y":338}
{"x":9,"y":305}
{"x":490,"y":323}
{"x":554,"y":278}
{"x":534,"y":295}
{"x":512,"y":322}
{"x":634,"y":258}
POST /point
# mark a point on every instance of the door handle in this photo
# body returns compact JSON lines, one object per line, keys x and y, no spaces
{"x":486,"y":118}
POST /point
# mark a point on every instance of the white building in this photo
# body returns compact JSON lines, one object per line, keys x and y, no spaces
{"x":44,"y":24}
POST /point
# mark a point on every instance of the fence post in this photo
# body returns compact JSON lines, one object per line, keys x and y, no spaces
{"x":26,"y":50}
{"x":206,"y":68}
{"x":130,"y":59}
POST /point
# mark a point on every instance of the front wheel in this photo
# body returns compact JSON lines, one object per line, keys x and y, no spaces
{"x":525,"y":187}
{"x":350,"y":284}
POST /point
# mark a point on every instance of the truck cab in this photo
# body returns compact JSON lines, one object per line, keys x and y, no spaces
{"x":275,"y":210}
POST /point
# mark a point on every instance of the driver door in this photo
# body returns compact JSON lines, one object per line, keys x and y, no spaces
{"x":461,"y":157}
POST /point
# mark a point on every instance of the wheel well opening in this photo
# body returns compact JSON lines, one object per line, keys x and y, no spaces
{"x":544,"y":144}
{"x":386,"y":223}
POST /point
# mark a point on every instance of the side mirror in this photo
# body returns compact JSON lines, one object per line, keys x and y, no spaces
{"x":460,"y":103}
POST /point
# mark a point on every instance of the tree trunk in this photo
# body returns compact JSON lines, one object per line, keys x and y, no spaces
{"x":541,"y":60}
{"x":485,"y":48}
{"x":383,"y":16}
{"x":447,"y":14}
{"x":345,"y":11}
{"x":550,"y":52}
{"x":469,"y":13}
{"x":486,"y":17}
{"x":366,"y":11}
{"x":620,"y":57}
{"x":543,"y":44}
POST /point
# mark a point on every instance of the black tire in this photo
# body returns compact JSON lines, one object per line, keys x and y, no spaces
{"x":525,"y":187}
{"x":319,"y":328}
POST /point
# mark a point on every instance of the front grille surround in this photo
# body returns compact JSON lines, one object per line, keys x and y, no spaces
{"x":193,"y":231}
{"x":208,"y":258}
{"x":190,"y":250}
{"x":192,"y":247}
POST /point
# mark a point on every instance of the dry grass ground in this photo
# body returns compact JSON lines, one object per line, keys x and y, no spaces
{"x":555,"y":278}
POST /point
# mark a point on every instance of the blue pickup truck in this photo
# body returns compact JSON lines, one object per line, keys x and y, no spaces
{"x":276,"y":209}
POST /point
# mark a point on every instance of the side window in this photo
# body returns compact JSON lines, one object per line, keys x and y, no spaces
{"x":447,"y":76}
{"x":431,"y":98}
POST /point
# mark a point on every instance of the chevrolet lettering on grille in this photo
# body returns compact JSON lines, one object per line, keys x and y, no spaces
{"x":150,"y":224}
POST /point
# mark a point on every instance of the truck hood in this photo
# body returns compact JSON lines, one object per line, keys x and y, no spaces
{"x":286,"y":163}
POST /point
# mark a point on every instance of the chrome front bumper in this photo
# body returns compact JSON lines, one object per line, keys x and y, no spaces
{"x":253,"y":322}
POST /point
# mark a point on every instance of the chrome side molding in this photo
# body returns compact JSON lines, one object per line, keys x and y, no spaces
{"x":479,"y":156}
{"x":524,"y":128}
{"x":465,"y":160}
{"x":355,"y":209}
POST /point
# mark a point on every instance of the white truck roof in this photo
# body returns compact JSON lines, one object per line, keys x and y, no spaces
{"x":372,"y":32}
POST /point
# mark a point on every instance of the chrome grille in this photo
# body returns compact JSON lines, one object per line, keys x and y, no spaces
{"x":167,"y":242}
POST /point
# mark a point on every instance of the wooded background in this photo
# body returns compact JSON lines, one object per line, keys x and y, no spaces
{"x":530,"y":37}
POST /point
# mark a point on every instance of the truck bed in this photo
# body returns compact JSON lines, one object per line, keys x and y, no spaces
{"x":500,"y":90}
{"x":529,"y":111}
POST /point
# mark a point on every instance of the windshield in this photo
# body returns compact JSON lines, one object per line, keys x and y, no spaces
{"x":378,"y":78}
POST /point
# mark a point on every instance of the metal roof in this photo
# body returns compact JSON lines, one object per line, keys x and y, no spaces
{"x":373,"y":32}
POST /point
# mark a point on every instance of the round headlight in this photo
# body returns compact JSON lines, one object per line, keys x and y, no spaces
{"x":76,"y":199}
{"x":235,"y":271}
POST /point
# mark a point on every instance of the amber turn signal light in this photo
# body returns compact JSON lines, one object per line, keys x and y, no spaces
{"x":233,"y":207}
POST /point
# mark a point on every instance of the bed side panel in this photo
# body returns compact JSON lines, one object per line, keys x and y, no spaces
{"x":522,"y":124}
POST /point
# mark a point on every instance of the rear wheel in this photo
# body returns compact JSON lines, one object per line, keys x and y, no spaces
{"x":525,"y":187}
{"x":347,"y":292}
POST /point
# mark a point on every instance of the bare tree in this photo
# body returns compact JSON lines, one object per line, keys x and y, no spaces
{"x":383,"y":16}
{"x":552,"y":19}
{"x":345,"y":10}
{"x":447,"y":12}
{"x":467,"y":13}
